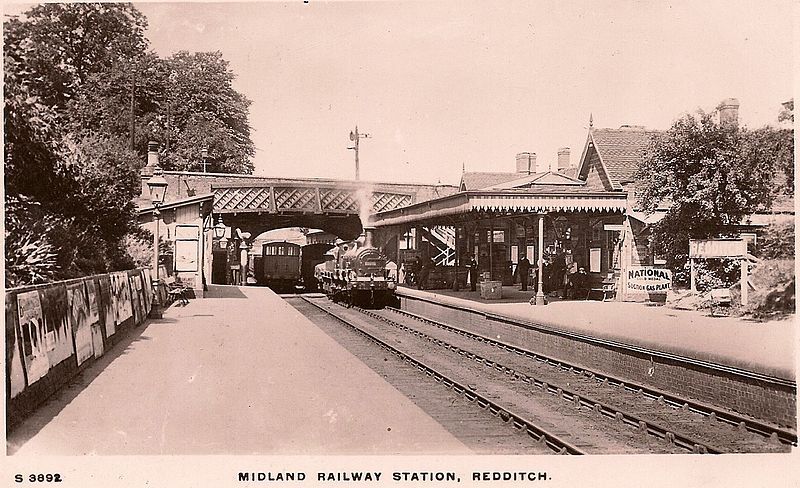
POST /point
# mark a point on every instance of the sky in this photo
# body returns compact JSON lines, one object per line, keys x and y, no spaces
{"x":441,"y":86}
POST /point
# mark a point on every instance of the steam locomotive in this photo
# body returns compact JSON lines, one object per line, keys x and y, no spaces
{"x":355,"y":272}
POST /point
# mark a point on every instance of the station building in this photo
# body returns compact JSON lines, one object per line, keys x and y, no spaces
{"x":582,"y":216}
{"x":573,"y":217}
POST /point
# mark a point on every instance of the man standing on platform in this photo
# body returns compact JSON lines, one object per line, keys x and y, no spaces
{"x":473,"y":273}
{"x":523,"y":267}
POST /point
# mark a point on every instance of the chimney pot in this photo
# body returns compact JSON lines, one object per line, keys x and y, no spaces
{"x":524,"y":164}
{"x":152,"y":154}
{"x":147,"y":172}
{"x":563,"y":158}
{"x":729,"y":112}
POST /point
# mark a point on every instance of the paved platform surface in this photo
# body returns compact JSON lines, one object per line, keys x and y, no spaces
{"x":765,"y":347}
{"x":239,"y":372}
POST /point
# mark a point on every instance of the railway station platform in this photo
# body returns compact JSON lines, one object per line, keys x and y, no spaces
{"x":239,"y":372}
{"x":765,"y":347}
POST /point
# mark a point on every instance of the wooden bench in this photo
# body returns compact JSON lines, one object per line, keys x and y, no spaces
{"x":176,"y":291}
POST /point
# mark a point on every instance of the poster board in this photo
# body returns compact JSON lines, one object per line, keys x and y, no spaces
{"x":594,"y":260}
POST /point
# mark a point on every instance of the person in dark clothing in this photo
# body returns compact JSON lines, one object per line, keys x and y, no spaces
{"x":523,"y":268}
{"x":580,"y":284}
{"x":473,"y":273}
{"x":424,"y":273}
{"x":557,"y":272}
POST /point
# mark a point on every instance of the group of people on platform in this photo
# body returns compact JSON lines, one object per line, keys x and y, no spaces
{"x":572,"y":282}
{"x":556,"y":277}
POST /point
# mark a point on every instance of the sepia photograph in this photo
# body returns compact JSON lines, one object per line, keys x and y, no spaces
{"x":400,"y":243}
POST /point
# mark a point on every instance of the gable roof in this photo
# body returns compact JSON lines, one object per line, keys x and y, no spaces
{"x":538,"y":179}
{"x":620,"y":151}
{"x":478,"y":180}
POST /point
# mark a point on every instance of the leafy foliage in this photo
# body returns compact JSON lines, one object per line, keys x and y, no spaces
{"x":83,"y":95}
{"x":30,"y":257}
{"x":776,"y":241}
{"x":713,"y":176}
{"x":774,"y":280}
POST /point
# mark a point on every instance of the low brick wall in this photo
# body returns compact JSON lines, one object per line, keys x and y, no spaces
{"x":757,"y":395}
{"x":55,"y":331}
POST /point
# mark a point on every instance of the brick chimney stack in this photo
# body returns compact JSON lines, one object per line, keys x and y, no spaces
{"x":563,"y":158}
{"x":147,"y":172}
{"x":729,"y":112}
{"x":526,"y":162}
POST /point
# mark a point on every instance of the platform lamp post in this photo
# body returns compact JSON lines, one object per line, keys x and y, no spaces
{"x":219,"y":229}
{"x":540,"y":285}
{"x":158,"y":188}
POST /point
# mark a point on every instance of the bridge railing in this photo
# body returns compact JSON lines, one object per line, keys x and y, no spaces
{"x":56,"y":330}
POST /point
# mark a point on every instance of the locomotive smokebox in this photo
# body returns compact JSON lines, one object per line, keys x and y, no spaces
{"x":368,"y":235}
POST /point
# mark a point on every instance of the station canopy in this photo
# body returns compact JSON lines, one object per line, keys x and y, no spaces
{"x":522,"y":194}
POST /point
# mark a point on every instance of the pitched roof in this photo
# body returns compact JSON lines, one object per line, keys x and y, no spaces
{"x":477,"y":180}
{"x":621,"y":150}
{"x":549,"y":179}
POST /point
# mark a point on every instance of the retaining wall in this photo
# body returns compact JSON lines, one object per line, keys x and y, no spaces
{"x":54,"y":331}
{"x":754,"y":394}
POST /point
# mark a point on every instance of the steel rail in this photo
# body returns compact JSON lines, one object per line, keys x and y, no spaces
{"x":547,"y":329}
{"x":645,"y":426}
{"x":552,"y":441}
{"x":763,"y":429}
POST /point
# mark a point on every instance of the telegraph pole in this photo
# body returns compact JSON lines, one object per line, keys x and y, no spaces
{"x":355,"y":136}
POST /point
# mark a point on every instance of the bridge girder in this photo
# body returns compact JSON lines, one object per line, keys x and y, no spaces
{"x":346,"y":226}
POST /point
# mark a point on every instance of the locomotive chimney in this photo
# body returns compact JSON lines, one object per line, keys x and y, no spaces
{"x":368,"y":231}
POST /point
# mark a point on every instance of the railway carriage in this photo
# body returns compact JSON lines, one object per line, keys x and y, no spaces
{"x":280,"y":265}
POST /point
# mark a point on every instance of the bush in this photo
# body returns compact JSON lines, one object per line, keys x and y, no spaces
{"x":774,"y":282}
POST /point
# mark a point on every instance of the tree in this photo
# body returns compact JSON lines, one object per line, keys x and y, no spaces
{"x":198,"y":108}
{"x":712,"y":176}
{"x":68,"y":186}
{"x":63,"y":44}
{"x":71,"y":154}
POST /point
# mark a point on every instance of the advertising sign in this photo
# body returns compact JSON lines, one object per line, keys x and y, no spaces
{"x":31,"y":324}
{"x":94,"y":317}
{"x":78,"y":307}
{"x":649,"y":280}
{"x":717,"y":248}
{"x":124,"y":305}
{"x":107,"y":290}
{"x":16,"y":376}
{"x":58,"y":334}
{"x":186,"y":255}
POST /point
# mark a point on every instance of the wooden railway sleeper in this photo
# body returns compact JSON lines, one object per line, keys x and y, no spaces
{"x":554,"y":443}
{"x":496,"y":410}
{"x":752,"y":425}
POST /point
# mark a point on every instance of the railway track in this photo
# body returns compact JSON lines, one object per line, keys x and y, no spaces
{"x":646,"y":420}
{"x":589,"y":430}
{"x":478,"y":420}
{"x":657,"y":413}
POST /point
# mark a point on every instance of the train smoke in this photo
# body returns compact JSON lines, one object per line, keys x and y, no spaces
{"x":364,"y":201}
